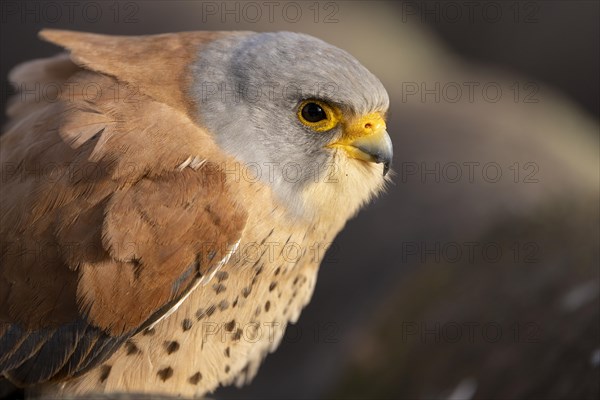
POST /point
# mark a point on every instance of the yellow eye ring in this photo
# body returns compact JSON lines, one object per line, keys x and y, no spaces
{"x":318,"y":115}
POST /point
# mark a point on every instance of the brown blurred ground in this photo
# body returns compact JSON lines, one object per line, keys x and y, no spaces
{"x":524,"y":328}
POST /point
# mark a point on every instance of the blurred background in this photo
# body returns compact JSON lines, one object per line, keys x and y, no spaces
{"x":477,"y":274}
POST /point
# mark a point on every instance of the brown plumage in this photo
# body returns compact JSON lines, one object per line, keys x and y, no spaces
{"x":123,"y":231}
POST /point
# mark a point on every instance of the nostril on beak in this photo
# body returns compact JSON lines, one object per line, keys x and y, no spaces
{"x":368,"y":125}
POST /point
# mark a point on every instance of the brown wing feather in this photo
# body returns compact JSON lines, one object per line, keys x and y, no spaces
{"x":156,"y":65}
{"x":100,"y":231}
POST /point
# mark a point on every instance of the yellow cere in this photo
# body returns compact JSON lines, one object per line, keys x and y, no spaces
{"x":362,"y":126}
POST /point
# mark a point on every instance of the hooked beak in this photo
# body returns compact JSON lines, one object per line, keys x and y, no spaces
{"x":365,"y":138}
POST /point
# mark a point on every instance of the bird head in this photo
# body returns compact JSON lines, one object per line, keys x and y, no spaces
{"x":306,"y":116}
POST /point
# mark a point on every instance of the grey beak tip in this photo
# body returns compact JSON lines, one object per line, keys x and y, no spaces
{"x":386,"y":167}
{"x":386,"y":160}
{"x":382,"y":153}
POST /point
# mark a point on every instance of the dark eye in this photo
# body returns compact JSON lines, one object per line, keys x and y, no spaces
{"x":318,"y":115}
{"x":312,"y":112}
